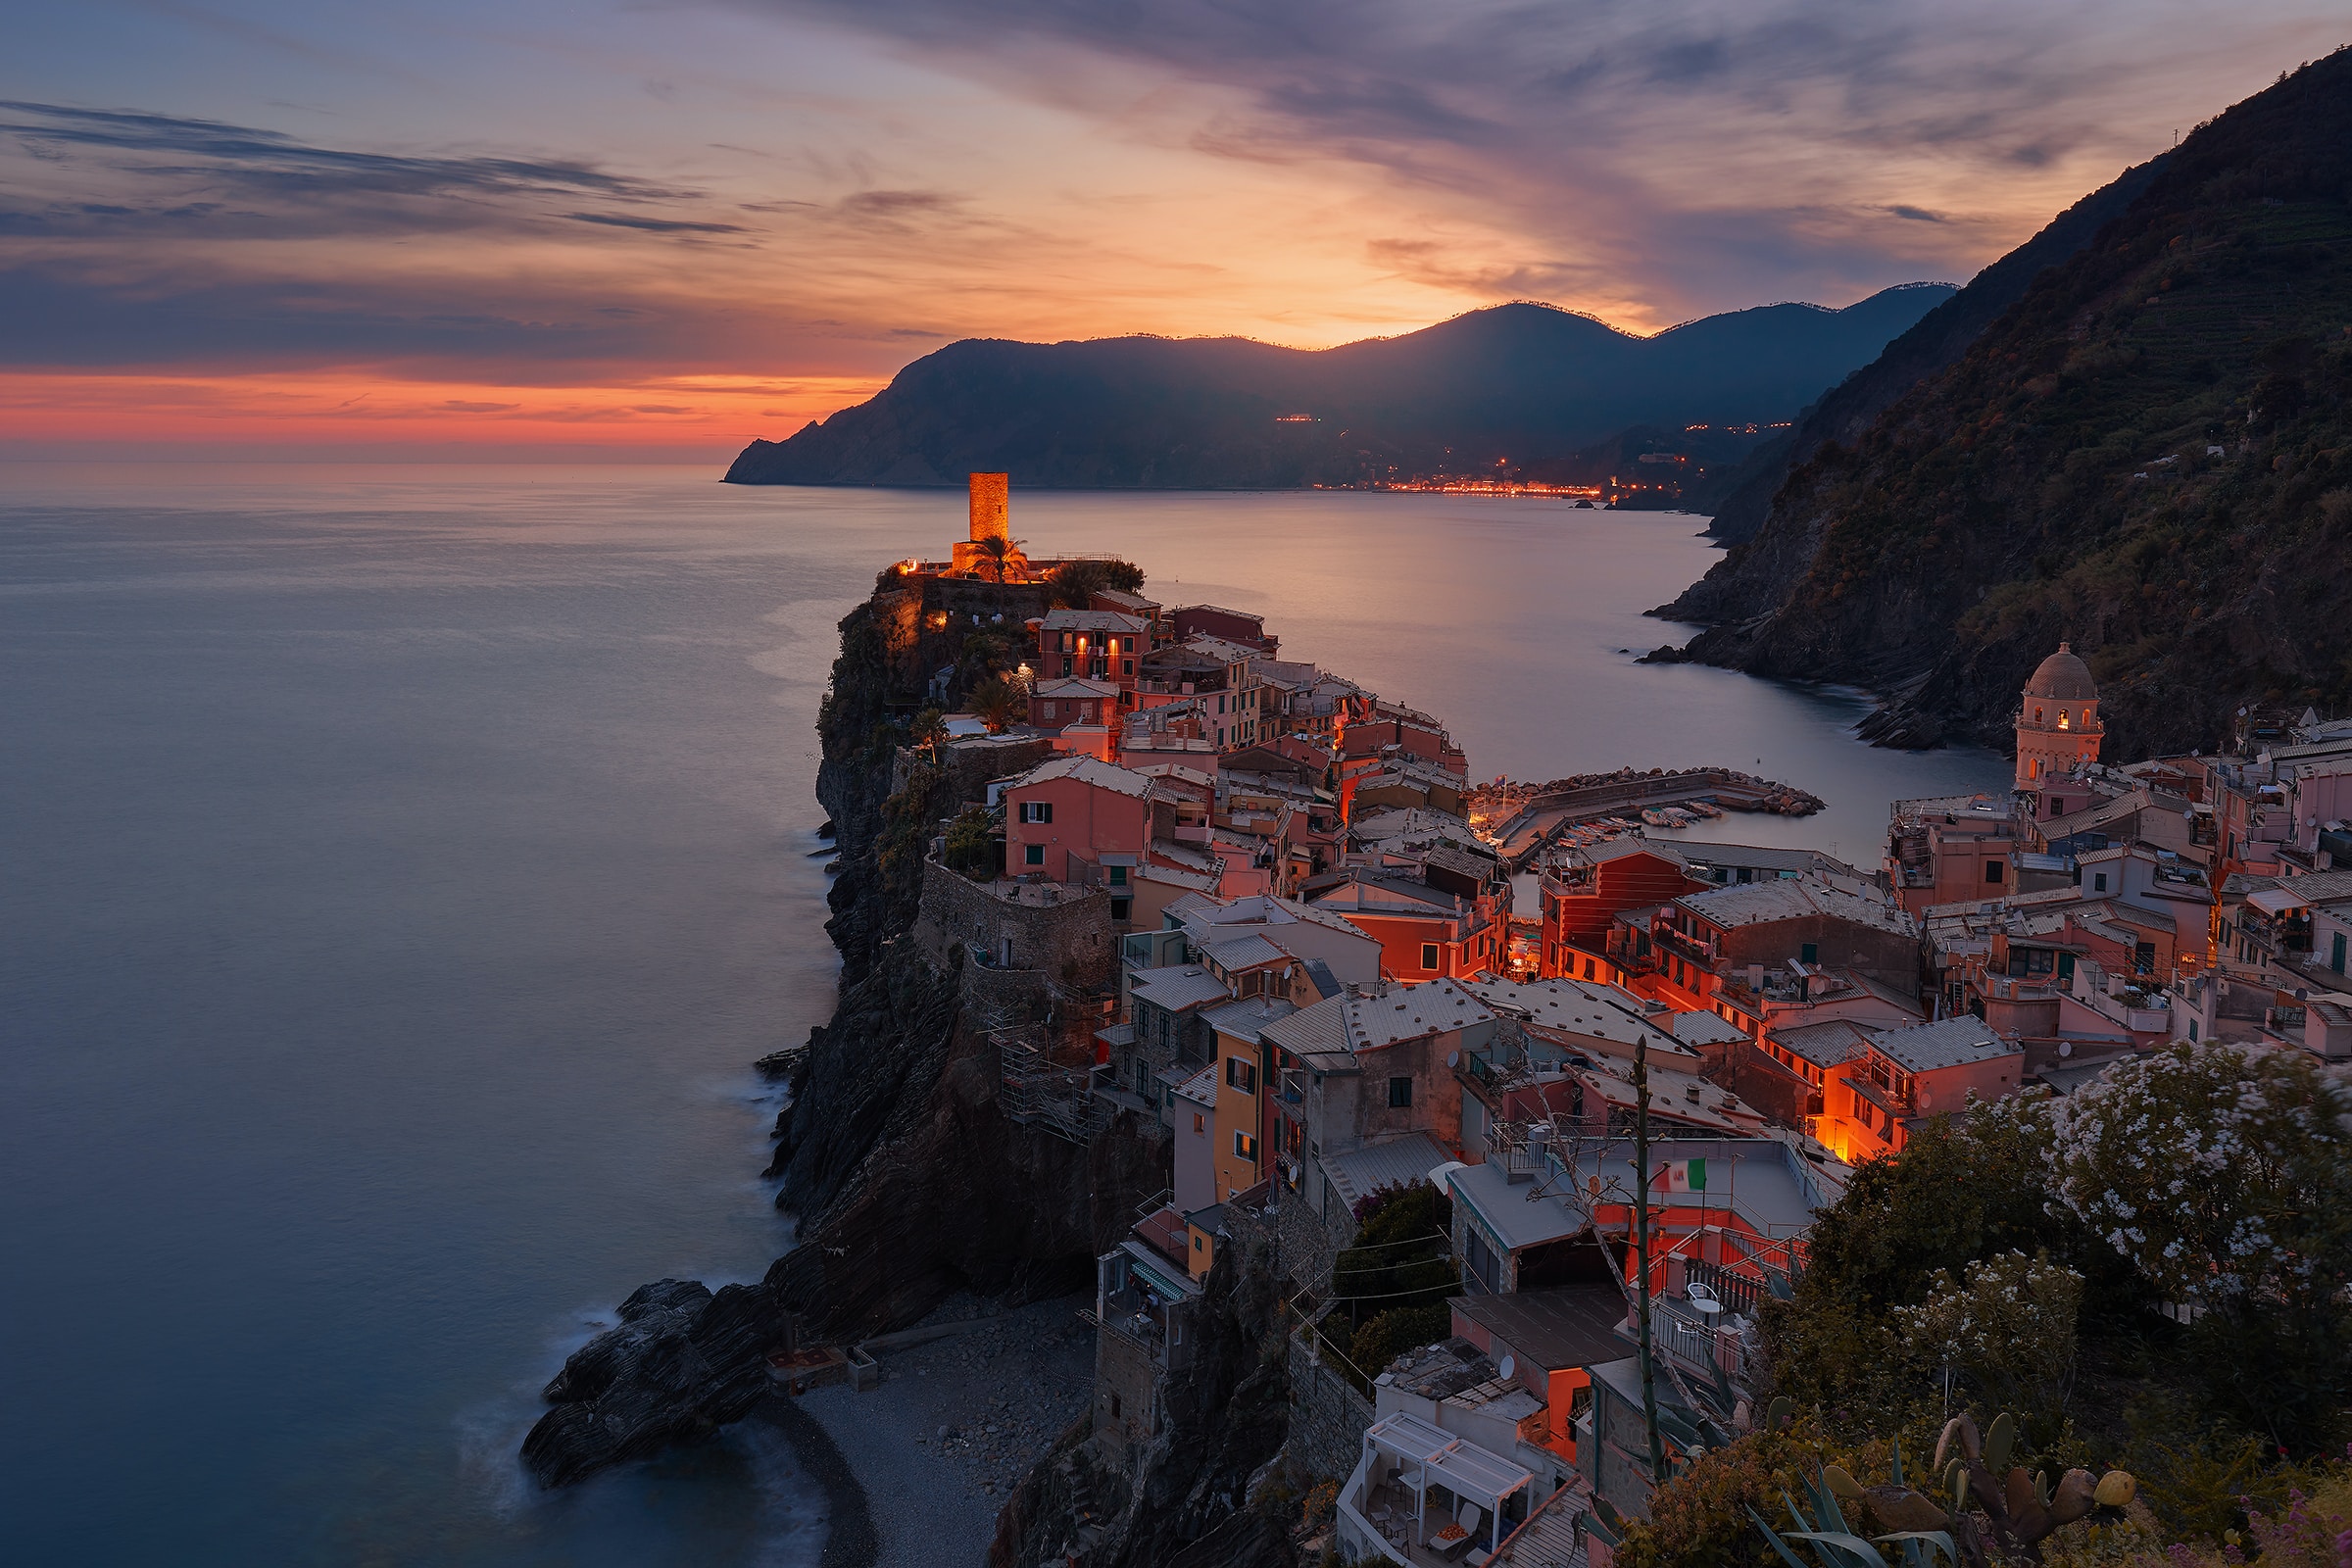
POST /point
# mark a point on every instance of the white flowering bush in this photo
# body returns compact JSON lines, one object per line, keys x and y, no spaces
{"x":2223,"y":1173}
{"x":2010,"y":1326}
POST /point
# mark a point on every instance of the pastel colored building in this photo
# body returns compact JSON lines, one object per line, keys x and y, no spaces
{"x":1244,"y":1121}
{"x":2058,"y":733}
{"x":1588,"y":888}
{"x":1904,"y":1075}
{"x":1058,"y":704}
{"x":1232,"y":626}
{"x":1106,"y":646}
{"x":1074,"y":811}
{"x":1425,"y":932}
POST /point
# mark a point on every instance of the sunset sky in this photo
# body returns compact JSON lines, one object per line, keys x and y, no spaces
{"x":669,"y":226}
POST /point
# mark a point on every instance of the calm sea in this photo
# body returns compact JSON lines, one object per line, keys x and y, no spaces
{"x":398,"y":868}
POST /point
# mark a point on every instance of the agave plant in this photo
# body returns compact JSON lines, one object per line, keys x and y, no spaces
{"x":2017,"y":1513}
{"x":1841,"y":1544}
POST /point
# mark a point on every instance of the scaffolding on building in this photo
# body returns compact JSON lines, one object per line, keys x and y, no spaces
{"x":1043,"y":1083}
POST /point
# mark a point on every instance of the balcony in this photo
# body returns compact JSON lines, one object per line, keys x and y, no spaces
{"x":1525,"y":1151}
{"x":1128,"y":1316}
{"x":1737,"y":1292}
{"x":1688,"y":1335}
{"x":2022,"y":987}
{"x":1205,"y":682}
{"x":1695,"y":948}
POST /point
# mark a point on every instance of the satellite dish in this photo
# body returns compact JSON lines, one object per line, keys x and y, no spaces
{"x":1454,"y":1058}
{"x":2066,"y":1048}
{"x":1508,"y":1366}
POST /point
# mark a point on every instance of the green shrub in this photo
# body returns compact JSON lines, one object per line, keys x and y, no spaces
{"x":1700,"y":1519}
{"x":972,"y":847}
{"x":1387,"y":1335}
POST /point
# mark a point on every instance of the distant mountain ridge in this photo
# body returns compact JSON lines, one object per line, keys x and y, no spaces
{"x":1514,"y":387}
{"x":2148,"y":453}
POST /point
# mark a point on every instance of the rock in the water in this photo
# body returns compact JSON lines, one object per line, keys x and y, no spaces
{"x":682,"y":1363}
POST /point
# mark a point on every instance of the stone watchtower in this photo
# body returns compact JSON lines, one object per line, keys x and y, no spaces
{"x":992,"y":518}
{"x":2058,"y":730}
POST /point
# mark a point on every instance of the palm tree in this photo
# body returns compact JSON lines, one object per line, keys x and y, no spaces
{"x":930,"y":733}
{"x":997,"y":551}
{"x":997,"y":703}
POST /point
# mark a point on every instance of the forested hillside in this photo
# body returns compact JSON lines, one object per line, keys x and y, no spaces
{"x":2149,"y":453}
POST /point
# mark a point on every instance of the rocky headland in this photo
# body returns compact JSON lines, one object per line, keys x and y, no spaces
{"x":910,"y":1186}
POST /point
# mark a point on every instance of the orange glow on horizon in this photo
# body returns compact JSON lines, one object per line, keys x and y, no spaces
{"x":713,"y":410}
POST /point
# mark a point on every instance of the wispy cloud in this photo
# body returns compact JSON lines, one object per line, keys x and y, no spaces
{"x":819,"y":190}
{"x":1597,"y":131}
{"x":170,"y":173}
{"x":656,"y":225}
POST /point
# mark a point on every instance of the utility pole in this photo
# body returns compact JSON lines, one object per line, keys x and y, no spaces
{"x":1650,"y":1392}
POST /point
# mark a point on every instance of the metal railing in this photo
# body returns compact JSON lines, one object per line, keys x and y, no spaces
{"x":1697,"y":1345}
{"x":1737,"y":1292}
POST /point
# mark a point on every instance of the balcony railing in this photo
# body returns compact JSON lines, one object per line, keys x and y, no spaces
{"x":1525,"y":1151}
{"x":1695,"y":1343}
{"x":1737,"y":1292}
{"x":1691,"y":947}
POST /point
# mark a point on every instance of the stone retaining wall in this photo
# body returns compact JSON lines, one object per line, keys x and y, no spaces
{"x":1328,"y":1417}
{"x":1067,"y":940}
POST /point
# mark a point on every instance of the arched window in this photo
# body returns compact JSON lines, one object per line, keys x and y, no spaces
{"x":2062,"y":723}
{"x":2038,"y":716}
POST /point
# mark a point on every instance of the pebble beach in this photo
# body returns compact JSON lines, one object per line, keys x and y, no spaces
{"x":957,"y":1421}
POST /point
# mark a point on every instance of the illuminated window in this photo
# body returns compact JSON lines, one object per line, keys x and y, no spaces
{"x":2062,"y":723}
{"x":1245,"y":1147}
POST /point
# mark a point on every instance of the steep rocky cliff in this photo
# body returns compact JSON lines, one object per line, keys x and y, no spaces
{"x":908,"y":1181}
{"x":1185,"y":1503}
{"x":2147,"y":454}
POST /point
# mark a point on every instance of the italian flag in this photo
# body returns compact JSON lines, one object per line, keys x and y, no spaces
{"x":1681,"y":1176}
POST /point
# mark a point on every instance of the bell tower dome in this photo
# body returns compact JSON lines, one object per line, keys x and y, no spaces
{"x":2058,"y":731}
